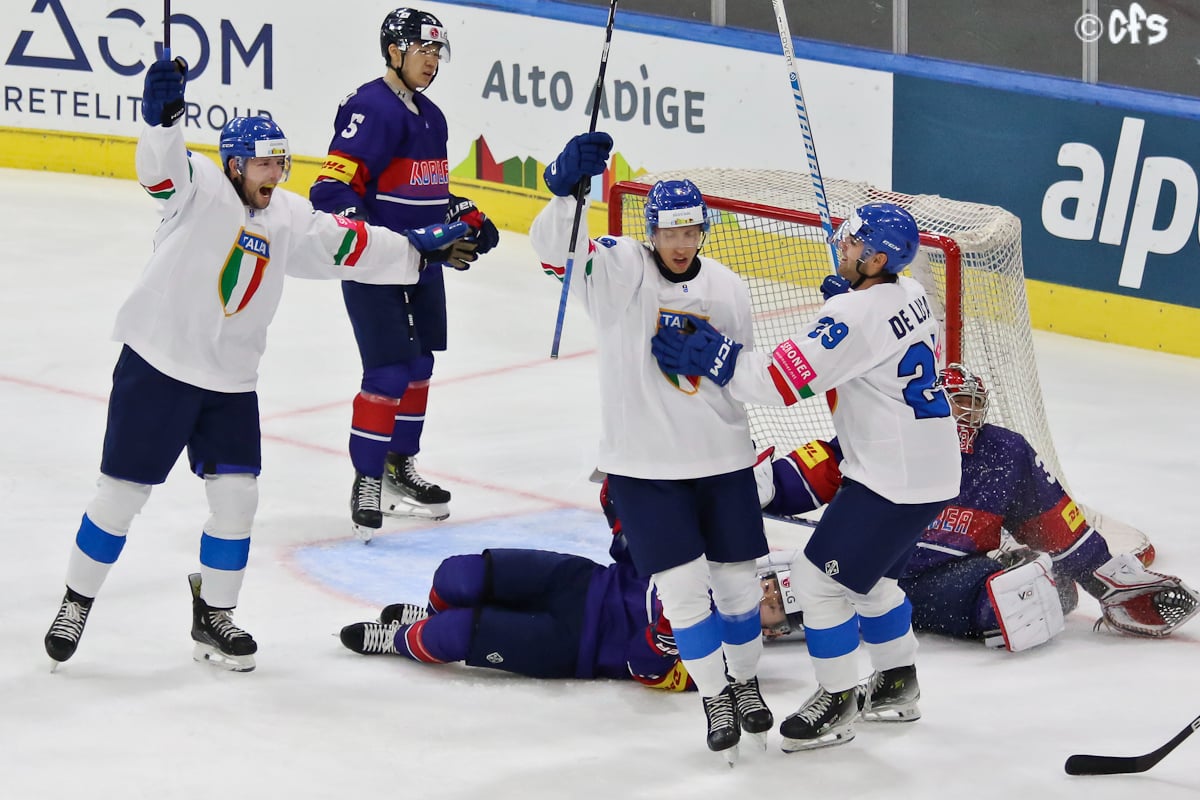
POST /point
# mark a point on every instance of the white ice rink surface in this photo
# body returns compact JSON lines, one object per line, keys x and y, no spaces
{"x":512,"y":434}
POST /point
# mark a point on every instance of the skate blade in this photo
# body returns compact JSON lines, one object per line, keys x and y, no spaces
{"x":759,"y":740}
{"x":210,"y":655}
{"x":54,"y":666}
{"x":410,"y":509}
{"x":906,"y":713}
{"x":728,"y":756}
{"x":363,"y":533}
{"x":827,"y":740}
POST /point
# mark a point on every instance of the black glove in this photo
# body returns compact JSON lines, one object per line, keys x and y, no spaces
{"x":162,"y":97}
{"x":444,"y":244}
{"x":584,"y":156}
{"x":660,"y":637}
{"x":484,"y":230}
{"x":354,"y":212}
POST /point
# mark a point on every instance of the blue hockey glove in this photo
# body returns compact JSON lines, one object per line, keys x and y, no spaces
{"x":162,"y":96}
{"x":483,"y":232}
{"x":584,"y":156}
{"x":705,"y":351}
{"x":834,"y":285}
{"x":444,"y":244}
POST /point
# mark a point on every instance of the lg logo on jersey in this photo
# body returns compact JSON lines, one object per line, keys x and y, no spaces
{"x":1086,"y":193}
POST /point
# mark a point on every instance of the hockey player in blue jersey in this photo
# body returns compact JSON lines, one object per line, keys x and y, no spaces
{"x":960,"y":580}
{"x":387,"y":165}
{"x":188,"y":368}
{"x":542,"y":614}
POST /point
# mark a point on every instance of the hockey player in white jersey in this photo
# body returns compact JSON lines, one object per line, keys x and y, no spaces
{"x":677,"y":450}
{"x":194,"y":329}
{"x":871,"y":349}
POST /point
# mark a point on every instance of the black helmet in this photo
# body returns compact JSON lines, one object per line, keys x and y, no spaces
{"x":407,"y":25}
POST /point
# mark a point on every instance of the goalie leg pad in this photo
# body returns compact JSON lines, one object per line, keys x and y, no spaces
{"x":1026,"y":603}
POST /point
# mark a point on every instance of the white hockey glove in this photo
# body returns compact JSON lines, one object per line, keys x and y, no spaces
{"x":1026,"y":603}
{"x":764,"y":477}
{"x":1142,"y":602}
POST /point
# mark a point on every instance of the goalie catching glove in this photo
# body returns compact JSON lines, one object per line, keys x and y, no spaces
{"x":1142,"y":602}
{"x":444,"y":244}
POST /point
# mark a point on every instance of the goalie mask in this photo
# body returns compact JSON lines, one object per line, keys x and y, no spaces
{"x":675,"y":204}
{"x":780,"y":608}
{"x":968,"y":402}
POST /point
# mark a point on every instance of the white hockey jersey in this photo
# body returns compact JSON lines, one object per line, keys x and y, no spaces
{"x":873,"y":351}
{"x":653,"y":425}
{"x":200,"y":310}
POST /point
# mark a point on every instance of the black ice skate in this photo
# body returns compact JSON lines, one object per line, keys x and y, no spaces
{"x":410,"y":495}
{"x":825,"y":719}
{"x":372,"y":638}
{"x":218,"y":641}
{"x":723,"y":731}
{"x":892,"y":695}
{"x":64,"y":633}
{"x":365,"y":512}
{"x":752,"y":710}
{"x":404,"y":613}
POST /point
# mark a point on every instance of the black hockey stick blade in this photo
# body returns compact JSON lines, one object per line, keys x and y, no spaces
{"x":1126,"y":765}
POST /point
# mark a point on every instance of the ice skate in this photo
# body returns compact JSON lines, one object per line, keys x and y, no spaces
{"x":404,"y":613}
{"x":410,"y":495}
{"x":892,"y":695}
{"x":63,"y":636}
{"x":752,"y":711}
{"x":825,"y":719}
{"x":218,"y":640}
{"x":365,"y":512}
{"x":372,"y":638}
{"x":723,"y":731}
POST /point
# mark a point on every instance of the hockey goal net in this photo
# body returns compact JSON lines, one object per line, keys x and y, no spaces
{"x":765,"y":226}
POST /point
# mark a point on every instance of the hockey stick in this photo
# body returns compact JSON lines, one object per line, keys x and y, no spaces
{"x":581,"y":191}
{"x":1124,"y":765}
{"x":167,"y":30}
{"x":810,"y":147}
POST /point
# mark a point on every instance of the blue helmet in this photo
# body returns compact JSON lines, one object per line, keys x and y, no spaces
{"x":674,"y":204}
{"x":883,"y":228}
{"x":254,"y":137}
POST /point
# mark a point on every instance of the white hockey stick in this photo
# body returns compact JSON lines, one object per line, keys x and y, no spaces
{"x":583,"y":186}
{"x":810,"y":147}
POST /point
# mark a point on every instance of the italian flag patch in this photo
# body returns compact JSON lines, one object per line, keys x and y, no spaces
{"x":243,"y":271}
{"x":162,"y":190}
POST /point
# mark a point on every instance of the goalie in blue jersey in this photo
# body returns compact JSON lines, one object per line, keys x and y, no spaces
{"x":966,"y":578}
